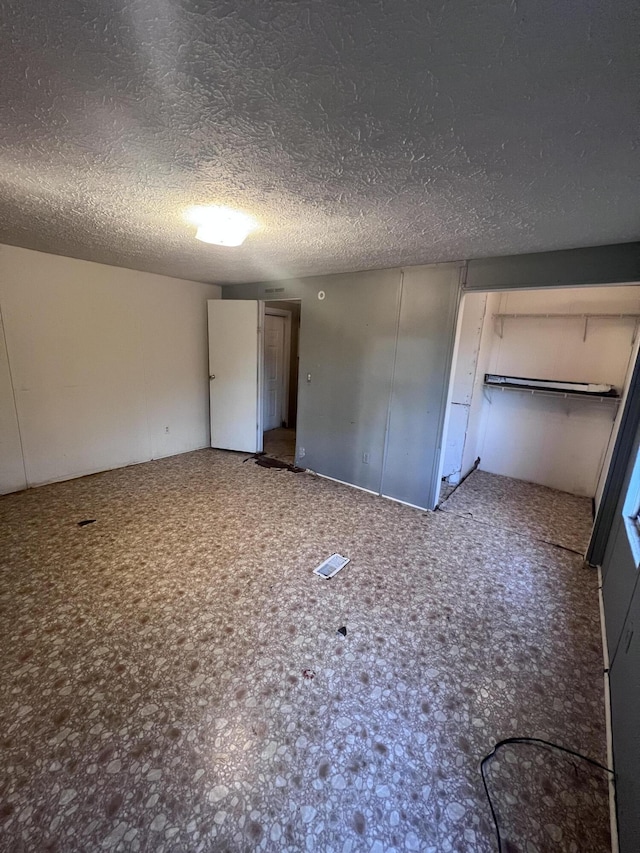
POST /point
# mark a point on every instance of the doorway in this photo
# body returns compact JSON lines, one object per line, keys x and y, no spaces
{"x":280,"y":378}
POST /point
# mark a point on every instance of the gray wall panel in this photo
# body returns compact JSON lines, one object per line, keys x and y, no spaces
{"x":625,"y":723}
{"x":615,"y":264}
{"x":347,"y":343}
{"x":426,"y":333}
{"x":618,"y":583}
{"x":621,"y":594}
{"x":619,"y":571}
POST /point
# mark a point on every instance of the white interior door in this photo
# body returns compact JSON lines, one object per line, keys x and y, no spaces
{"x":273,"y":380}
{"x":233,"y":374}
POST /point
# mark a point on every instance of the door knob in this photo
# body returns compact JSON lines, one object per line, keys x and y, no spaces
{"x":212,"y":376}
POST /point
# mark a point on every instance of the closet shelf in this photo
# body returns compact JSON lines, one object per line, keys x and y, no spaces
{"x":584,"y":318}
{"x":567,"y":395}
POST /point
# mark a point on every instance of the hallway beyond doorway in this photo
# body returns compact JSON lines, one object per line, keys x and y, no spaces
{"x":281,"y":444}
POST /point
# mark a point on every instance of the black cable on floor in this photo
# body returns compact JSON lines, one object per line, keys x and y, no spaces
{"x":471,"y":517}
{"x":536,"y":742}
{"x":457,"y":485}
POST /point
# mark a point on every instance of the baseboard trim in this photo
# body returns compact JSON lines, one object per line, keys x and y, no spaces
{"x":343,"y":482}
{"x":91,"y":472}
{"x":406,"y":503}
{"x":368,"y":491}
{"x":613,"y":820}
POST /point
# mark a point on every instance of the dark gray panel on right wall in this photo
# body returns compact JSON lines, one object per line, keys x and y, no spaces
{"x":621,"y":594}
{"x":625,"y":724}
{"x":596,"y":265}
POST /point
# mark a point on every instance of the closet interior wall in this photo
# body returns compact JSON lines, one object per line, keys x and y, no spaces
{"x":564,"y":443}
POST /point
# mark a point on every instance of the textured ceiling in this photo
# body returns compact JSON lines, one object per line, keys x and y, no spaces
{"x":361,"y":134}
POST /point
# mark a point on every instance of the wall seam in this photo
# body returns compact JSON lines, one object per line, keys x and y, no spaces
{"x":13,"y":392}
{"x":145,"y":385}
{"x":626,"y":616}
{"x":438,"y":458}
{"x":473,"y":382}
{"x":385,"y":445}
{"x":613,"y":812}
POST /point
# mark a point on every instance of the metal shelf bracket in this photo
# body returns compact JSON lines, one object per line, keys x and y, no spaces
{"x":585,"y":318}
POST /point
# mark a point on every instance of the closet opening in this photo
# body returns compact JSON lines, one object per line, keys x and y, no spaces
{"x":539,"y":383}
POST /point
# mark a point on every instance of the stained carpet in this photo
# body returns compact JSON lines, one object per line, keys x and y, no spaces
{"x":547,"y":514}
{"x":173,"y":678}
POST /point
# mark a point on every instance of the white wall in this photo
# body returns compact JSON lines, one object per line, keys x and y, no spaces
{"x":556,"y":442}
{"x":109,"y":367}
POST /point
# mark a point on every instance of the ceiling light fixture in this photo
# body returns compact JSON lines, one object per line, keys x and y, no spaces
{"x":222,"y":226}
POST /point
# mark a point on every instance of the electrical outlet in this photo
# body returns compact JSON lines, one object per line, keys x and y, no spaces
{"x":308,"y":377}
{"x":365,"y":458}
{"x":301,"y":452}
{"x":166,"y":429}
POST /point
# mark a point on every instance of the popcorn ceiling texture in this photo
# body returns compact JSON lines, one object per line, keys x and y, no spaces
{"x":361,"y":134}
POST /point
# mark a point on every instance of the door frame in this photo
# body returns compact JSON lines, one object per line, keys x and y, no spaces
{"x":260,"y":370}
{"x":616,"y":473}
{"x":286,"y":367}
